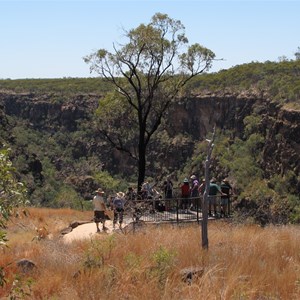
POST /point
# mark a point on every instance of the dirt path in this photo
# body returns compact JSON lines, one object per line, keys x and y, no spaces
{"x":88,"y":230}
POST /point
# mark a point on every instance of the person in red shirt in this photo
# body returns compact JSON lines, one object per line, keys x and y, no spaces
{"x":185,"y":193}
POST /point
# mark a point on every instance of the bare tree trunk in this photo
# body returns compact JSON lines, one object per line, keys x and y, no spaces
{"x":141,"y":166}
{"x":204,"y":232}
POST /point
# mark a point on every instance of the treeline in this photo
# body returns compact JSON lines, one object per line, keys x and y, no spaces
{"x":64,"y":86}
{"x":280,"y":80}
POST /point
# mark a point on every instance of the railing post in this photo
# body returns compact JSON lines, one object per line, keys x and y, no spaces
{"x":197,"y":207}
{"x":177,"y":216}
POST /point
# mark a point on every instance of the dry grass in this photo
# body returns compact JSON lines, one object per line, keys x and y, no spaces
{"x":243,"y":262}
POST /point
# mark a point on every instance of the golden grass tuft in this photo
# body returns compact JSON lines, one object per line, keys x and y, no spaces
{"x":242,"y":262}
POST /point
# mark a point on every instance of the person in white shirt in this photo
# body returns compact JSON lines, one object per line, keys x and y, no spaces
{"x":99,"y":209}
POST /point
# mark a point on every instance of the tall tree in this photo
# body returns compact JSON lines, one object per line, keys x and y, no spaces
{"x":148,"y":74}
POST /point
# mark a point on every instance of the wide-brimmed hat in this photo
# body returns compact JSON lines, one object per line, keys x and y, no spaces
{"x":193,"y":177}
{"x":225,"y":180}
{"x":100,"y":191}
{"x":185,"y":180}
{"x":120,"y":194}
{"x":213,"y":180}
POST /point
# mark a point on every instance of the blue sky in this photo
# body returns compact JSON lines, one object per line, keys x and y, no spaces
{"x":47,"y":39}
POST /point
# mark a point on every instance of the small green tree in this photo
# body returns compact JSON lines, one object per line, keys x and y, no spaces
{"x":148,"y":74}
{"x":12,"y":195}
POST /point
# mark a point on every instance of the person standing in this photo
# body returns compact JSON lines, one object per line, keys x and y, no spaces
{"x":168,"y":188}
{"x":168,"y":192}
{"x":185,"y":194}
{"x":99,"y":209}
{"x":118,"y":207}
{"x":130,"y":194}
{"x":214,"y":189}
{"x":194,"y":192}
{"x":226,"y":188}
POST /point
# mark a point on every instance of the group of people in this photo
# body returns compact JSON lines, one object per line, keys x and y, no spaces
{"x":191,"y":193}
{"x":116,"y":205}
{"x":193,"y":189}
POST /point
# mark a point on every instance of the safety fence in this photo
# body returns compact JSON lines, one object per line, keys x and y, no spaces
{"x":172,"y":210}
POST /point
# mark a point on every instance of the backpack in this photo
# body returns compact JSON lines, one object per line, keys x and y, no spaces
{"x":118,"y":203}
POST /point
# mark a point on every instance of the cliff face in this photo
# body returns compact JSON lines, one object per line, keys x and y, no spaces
{"x":195,"y":117}
{"x":282,"y":148}
{"x":48,"y":112}
{"x":198,"y":115}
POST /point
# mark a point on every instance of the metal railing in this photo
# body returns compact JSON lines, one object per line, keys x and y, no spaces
{"x":169,"y":210}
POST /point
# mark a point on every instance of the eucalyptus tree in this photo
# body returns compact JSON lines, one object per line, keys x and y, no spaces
{"x":148,"y":74}
{"x":12,"y":195}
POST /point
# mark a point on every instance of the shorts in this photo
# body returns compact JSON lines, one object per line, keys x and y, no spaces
{"x":99,"y":216}
{"x":224,"y":201}
{"x":212,"y":200}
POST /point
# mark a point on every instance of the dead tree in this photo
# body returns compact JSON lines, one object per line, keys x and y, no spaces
{"x":206,"y":192}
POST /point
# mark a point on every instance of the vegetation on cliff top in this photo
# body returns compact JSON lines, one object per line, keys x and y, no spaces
{"x":278,"y":80}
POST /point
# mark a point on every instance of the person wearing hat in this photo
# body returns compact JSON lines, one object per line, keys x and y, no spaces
{"x":194,"y":192}
{"x":118,"y":207}
{"x":99,"y":209}
{"x":226,"y":188}
{"x":185,"y":194}
{"x":214,"y":189}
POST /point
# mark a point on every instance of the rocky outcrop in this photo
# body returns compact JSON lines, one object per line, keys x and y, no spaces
{"x":282,"y":148}
{"x":193,"y":118}
{"x":49,"y":111}
{"x":198,"y":115}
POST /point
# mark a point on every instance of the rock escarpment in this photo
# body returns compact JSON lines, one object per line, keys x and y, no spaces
{"x":193,"y":117}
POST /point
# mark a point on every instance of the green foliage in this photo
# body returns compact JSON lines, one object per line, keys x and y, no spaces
{"x":260,"y":200}
{"x":252,"y":124}
{"x":12,"y":195}
{"x":196,"y":164}
{"x":285,"y":184}
{"x":109,"y":183}
{"x":269,"y":207}
{"x":12,"y":192}
{"x":280,"y":80}
{"x":163,"y":259}
{"x":60,"y":87}
{"x":240,"y":159}
{"x":21,"y":288}
{"x":99,"y":252}
{"x":133,"y":261}
{"x":238,"y":155}
{"x":67,"y":198}
{"x":155,"y":64}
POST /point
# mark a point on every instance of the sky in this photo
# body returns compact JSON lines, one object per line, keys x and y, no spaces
{"x":48,"y":39}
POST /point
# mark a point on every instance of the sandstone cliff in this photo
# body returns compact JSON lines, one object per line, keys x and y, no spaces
{"x":193,"y":117}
